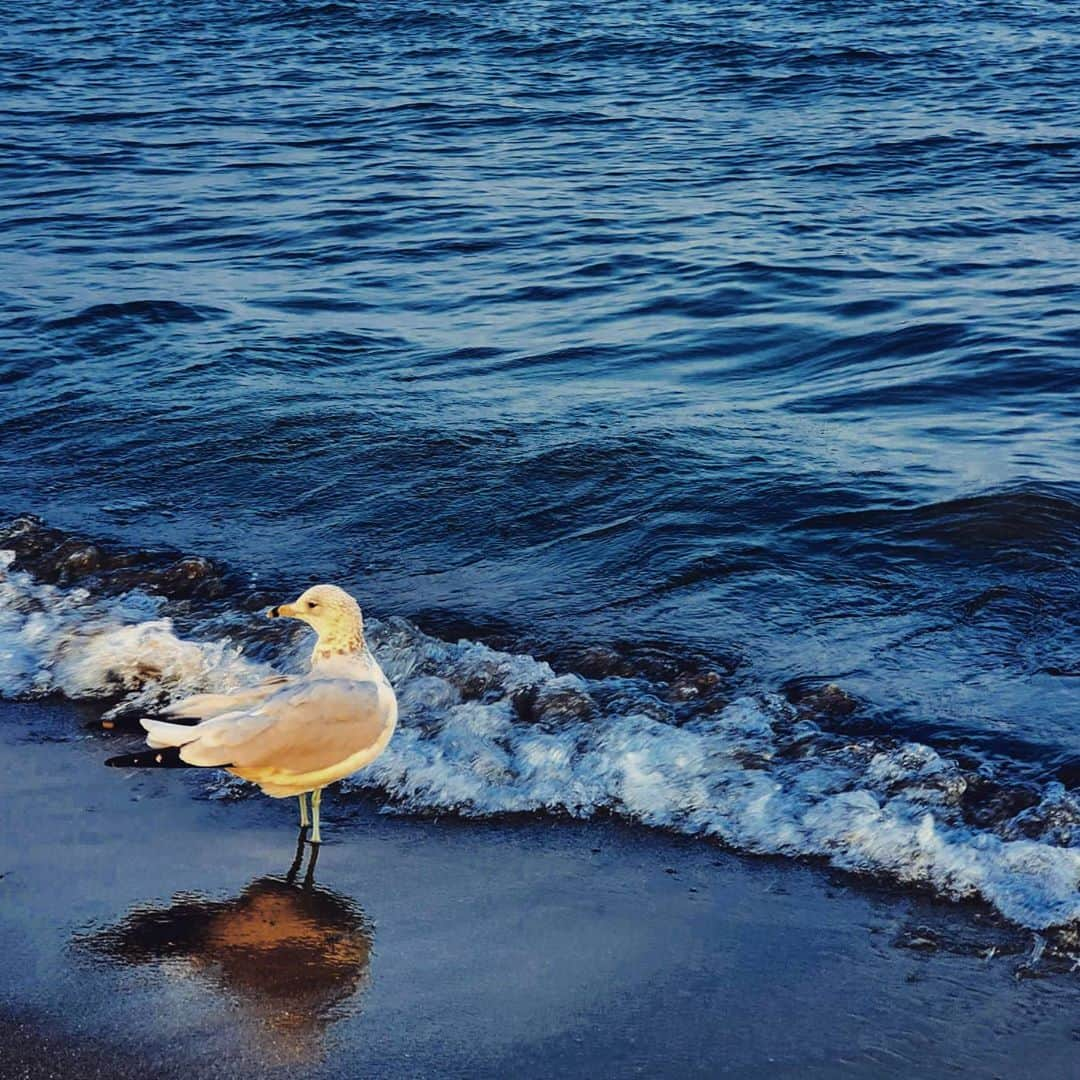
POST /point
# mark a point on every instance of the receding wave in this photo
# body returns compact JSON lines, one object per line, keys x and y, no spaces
{"x":150,"y":312}
{"x":487,"y":732}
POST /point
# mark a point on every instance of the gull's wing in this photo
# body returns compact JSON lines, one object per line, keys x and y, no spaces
{"x":312,"y":725}
{"x":205,"y":706}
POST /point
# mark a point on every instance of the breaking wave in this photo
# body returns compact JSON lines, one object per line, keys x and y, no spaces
{"x":486,"y":732}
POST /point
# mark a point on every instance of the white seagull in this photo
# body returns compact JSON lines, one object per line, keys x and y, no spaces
{"x":291,"y":735}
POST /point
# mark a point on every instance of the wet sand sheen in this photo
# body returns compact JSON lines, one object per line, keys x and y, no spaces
{"x":155,"y":932}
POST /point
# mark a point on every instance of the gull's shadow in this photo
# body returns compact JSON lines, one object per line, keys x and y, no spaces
{"x":289,"y":952}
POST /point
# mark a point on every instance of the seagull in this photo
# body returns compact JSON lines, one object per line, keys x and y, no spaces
{"x":291,"y":735}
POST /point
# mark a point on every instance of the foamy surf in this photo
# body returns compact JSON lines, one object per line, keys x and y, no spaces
{"x":81,"y":645}
{"x":485,"y":732}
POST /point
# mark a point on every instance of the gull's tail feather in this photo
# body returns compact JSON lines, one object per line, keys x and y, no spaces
{"x":196,"y":707}
{"x":163,"y":758}
{"x":206,"y":706}
{"x":162,"y":733}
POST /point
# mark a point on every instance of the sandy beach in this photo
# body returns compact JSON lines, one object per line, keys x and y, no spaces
{"x":148,"y":930}
{"x":651,"y":430}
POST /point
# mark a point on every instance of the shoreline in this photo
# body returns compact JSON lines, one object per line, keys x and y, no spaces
{"x":807,"y":772}
{"x":149,"y":931}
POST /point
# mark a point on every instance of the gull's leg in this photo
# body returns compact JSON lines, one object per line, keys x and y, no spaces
{"x":304,"y":823}
{"x":290,"y":877}
{"x":316,"y":800}
{"x":309,"y":877}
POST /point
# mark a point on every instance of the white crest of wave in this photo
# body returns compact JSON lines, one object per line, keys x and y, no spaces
{"x":71,"y":642}
{"x":700,"y":780}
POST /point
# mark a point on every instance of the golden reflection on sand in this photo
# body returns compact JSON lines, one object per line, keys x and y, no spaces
{"x":291,"y":954}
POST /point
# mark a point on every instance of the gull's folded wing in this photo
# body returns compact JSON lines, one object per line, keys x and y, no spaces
{"x":310,"y":725}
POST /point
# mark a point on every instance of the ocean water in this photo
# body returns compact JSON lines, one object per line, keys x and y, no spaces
{"x":642,"y":368}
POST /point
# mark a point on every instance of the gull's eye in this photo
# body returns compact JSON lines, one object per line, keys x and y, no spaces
{"x":311,"y":605}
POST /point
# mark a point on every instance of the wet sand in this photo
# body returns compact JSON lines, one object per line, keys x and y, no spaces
{"x":147,"y":930}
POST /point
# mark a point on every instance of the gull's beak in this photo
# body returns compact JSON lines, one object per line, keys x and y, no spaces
{"x":282,"y":611}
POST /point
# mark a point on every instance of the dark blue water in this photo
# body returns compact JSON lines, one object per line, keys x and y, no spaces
{"x":747,"y":331}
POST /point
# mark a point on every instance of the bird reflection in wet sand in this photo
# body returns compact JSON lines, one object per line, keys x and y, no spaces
{"x":289,"y":952}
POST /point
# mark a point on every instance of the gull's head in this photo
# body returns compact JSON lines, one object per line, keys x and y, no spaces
{"x":331,"y":612}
